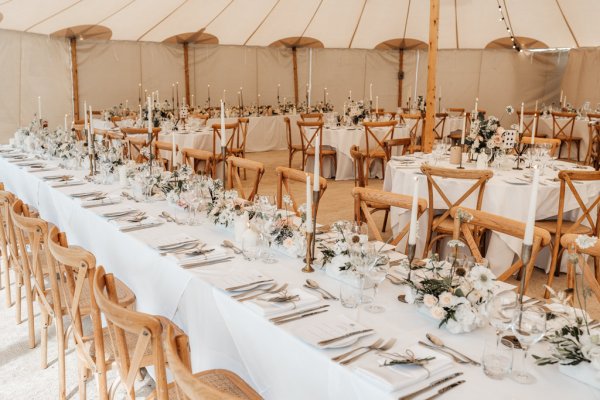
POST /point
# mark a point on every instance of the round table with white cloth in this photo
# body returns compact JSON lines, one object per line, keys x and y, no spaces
{"x":506,"y":194}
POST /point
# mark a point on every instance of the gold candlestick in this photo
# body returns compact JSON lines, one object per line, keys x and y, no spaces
{"x":309,"y":256}
{"x":411,"y":256}
{"x":525,"y":258}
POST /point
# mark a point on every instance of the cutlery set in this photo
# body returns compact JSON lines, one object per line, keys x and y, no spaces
{"x":435,"y":384}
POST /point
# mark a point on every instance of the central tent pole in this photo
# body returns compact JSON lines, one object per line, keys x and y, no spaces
{"x":434,"y":16}
{"x":295,"y":62}
{"x":75,"y":78}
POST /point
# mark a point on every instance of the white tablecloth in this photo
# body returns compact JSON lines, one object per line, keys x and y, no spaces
{"x":501,"y":198}
{"x":227,"y":334}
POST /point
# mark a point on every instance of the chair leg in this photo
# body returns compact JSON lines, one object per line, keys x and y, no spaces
{"x":82,"y":381}
{"x":44,"y":339}
{"x":290,"y":155}
{"x":553,"y":263}
{"x":385,"y":218}
{"x":30,"y":318}
{"x":7,"y":281}
{"x":60,"y":337}
{"x":19,"y":285}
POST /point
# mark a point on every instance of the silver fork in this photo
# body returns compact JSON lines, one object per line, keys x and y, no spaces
{"x":448,"y":353}
{"x":258,"y":289}
{"x":388,"y":345}
{"x":378,"y":342}
{"x":275,"y":290}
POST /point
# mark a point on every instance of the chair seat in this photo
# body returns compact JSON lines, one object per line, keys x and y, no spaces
{"x":446,"y":227}
{"x":550,"y":226}
{"x":537,"y":135}
{"x":221,"y":380}
{"x":374,"y":154}
{"x":325,"y":152}
{"x":297,"y":147}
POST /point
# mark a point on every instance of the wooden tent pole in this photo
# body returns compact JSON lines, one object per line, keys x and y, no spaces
{"x":434,"y":16}
{"x":400,"y":74}
{"x":295,"y":61}
{"x":186,"y":69}
{"x":74,"y":77}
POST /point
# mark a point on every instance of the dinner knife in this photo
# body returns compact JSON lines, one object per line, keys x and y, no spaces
{"x":283,"y":321}
{"x":342,"y":337}
{"x":445,"y":389}
{"x":430,"y":386}
{"x":274,"y":319}
{"x":240,"y":287}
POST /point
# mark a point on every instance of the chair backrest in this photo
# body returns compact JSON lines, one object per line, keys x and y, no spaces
{"x":563,"y":124}
{"x":134,"y":146}
{"x":404,"y":143}
{"x":288,"y":132}
{"x":588,"y":211}
{"x":554,"y":143}
{"x":358,"y":159}
{"x":308,"y":136}
{"x":165,"y":147}
{"x":286,"y":175}
{"x":440,"y":124}
{"x":144,"y":328}
{"x":528,"y":118}
{"x":8,"y":240}
{"x":593,"y":154}
{"x":365,"y":196}
{"x":466,"y":218}
{"x":455,"y":111}
{"x":234,"y":164}
{"x":374,"y":140}
{"x":240,"y":141}
{"x":76,"y":268}
{"x":477,"y":188}
{"x":188,"y":386}
{"x":311,"y":117}
{"x":194,"y":158}
{"x":202,"y":117}
{"x":231,"y":132}
{"x":31,"y":234}
{"x":593,"y":117}
{"x":414,"y":132}
{"x":140,"y":131}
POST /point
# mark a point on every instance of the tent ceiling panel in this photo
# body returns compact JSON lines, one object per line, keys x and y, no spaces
{"x":465,"y":24}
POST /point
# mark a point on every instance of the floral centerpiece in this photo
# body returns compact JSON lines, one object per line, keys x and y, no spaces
{"x":485,"y":134}
{"x":356,"y":111}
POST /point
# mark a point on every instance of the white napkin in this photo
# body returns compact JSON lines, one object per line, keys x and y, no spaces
{"x":238,"y":278}
{"x":100,"y":202}
{"x":171,"y":240}
{"x":41,"y":169}
{"x":125,"y":225}
{"x":188,"y":260}
{"x":337,"y":326}
{"x":267,"y":308}
{"x":72,"y":182}
{"x":397,"y":377}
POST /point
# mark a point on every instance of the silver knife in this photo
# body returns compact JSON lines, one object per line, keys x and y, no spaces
{"x":445,"y":389}
{"x":233,"y":288}
{"x":430,"y":386}
{"x":283,"y":321}
{"x":274,"y":319}
{"x":347,"y":335}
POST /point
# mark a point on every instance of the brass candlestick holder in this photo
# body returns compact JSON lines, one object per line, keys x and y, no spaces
{"x":224,"y":157}
{"x":460,"y":166}
{"x":411,"y":256}
{"x":309,"y":255}
{"x":525,"y":258}
{"x":314,"y":212}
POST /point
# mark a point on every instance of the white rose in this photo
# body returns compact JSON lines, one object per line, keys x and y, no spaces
{"x":464,"y":314}
{"x":474,"y":296}
{"x":438,"y":313}
{"x":429,"y":300}
{"x":446,"y":299}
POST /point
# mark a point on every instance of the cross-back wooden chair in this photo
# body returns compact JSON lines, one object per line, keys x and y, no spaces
{"x":239,"y":147}
{"x":202,"y":117}
{"x":198,"y":386}
{"x":586,"y":222}
{"x":456,"y":135}
{"x":134,"y":146}
{"x":140,"y":132}
{"x":403,"y":143}
{"x":442,"y":225}
{"x":363,"y":197}
{"x":374,"y":142}
{"x":311,"y":117}
{"x":361,"y":180}
{"x":467,"y":221}
{"x":309,"y":132}
{"x":593,"y":117}
{"x":293,"y":148}
{"x":8,"y":246}
{"x":563,"y":125}
{"x":415,"y":131}
{"x":231,"y":133}
{"x":287,"y":175}
{"x":76,"y":267}
{"x":440,"y":124}
{"x":160,"y":148}
{"x":528,"y":118}
{"x":108,"y":137}
{"x":39,"y":274}
{"x":455,"y":111}
{"x":554,"y":143}
{"x":78,"y":127}
{"x":195,"y":157}
{"x":234,"y":165}
{"x":568,"y":241}
{"x":593,"y":154}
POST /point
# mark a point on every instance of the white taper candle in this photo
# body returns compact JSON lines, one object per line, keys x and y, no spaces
{"x":528,"y":239}
{"x":309,"y":205}
{"x":412,"y":233}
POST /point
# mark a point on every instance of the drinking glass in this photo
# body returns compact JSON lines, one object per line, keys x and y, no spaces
{"x":497,"y":358}
{"x":529,"y":327}
{"x":268,"y":233}
{"x":363,"y":257}
{"x":377,"y":275}
{"x":500,"y":310}
{"x":350,"y":293}
{"x":190,"y":199}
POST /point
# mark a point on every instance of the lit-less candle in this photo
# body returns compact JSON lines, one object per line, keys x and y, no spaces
{"x":534,"y":130}
{"x":66,"y":115}
{"x":521,"y":118}
{"x":317,"y":168}
{"x":462,"y":134}
{"x":85,"y":121}
{"x":371,"y":91}
{"x":376,"y":104}
{"x":173,"y":150}
{"x":528,"y":239}
{"x":476,"y":107}
{"x":412,"y":233}
{"x":39,"y":107}
{"x":149,"y":118}
{"x":223,"y":133}
{"x":309,"y":205}
{"x":192,"y":105}
{"x":91,"y":135}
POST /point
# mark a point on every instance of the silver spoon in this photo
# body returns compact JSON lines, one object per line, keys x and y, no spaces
{"x":315,"y":285}
{"x":229,"y":245}
{"x":439,"y":342}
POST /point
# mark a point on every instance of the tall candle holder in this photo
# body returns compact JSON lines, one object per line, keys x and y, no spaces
{"x":315,"y":208}
{"x":519,"y":150}
{"x":410,"y":254}
{"x":309,"y":253}
{"x":460,"y":166}
{"x":525,"y":259}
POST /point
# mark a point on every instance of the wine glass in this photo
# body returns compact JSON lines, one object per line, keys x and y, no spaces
{"x":377,"y":275}
{"x":363,"y":257}
{"x":189,"y":197}
{"x":268,"y":232}
{"x":529,"y":327}
{"x":500,"y":310}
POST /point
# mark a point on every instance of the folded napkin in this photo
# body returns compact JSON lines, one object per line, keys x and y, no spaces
{"x":72,"y":182}
{"x":164,"y":243}
{"x":238,"y":278}
{"x":185,"y":260}
{"x":269,"y":308}
{"x":100,"y":202}
{"x":126,"y":225}
{"x":396,"y":377}
{"x":335,"y":326}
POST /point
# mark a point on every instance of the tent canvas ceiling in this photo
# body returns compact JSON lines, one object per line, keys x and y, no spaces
{"x":464,"y":24}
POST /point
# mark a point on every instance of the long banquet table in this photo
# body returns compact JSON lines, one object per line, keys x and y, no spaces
{"x":227,"y":334}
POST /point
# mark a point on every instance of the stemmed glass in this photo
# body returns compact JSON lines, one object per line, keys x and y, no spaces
{"x":500,"y":310}
{"x":363,"y":257}
{"x":190,"y":199}
{"x":439,"y":148}
{"x":377,"y":275}
{"x":529,"y":327}
{"x":269,"y":216}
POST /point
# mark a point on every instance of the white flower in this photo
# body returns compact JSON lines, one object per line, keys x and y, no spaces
{"x":429,"y":300}
{"x":585,"y":241}
{"x":481,"y":278}
{"x":437,"y":312}
{"x":340,"y":247}
{"x":510,"y":109}
{"x":456,"y":243}
{"x":445,"y":299}
{"x":474,"y":296}
{"x":465,"y":315}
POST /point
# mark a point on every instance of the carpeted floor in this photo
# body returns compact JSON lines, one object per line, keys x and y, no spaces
{"x":21,"y":376}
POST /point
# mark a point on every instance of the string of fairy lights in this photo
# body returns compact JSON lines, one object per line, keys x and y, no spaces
{"x":503,"y":18}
